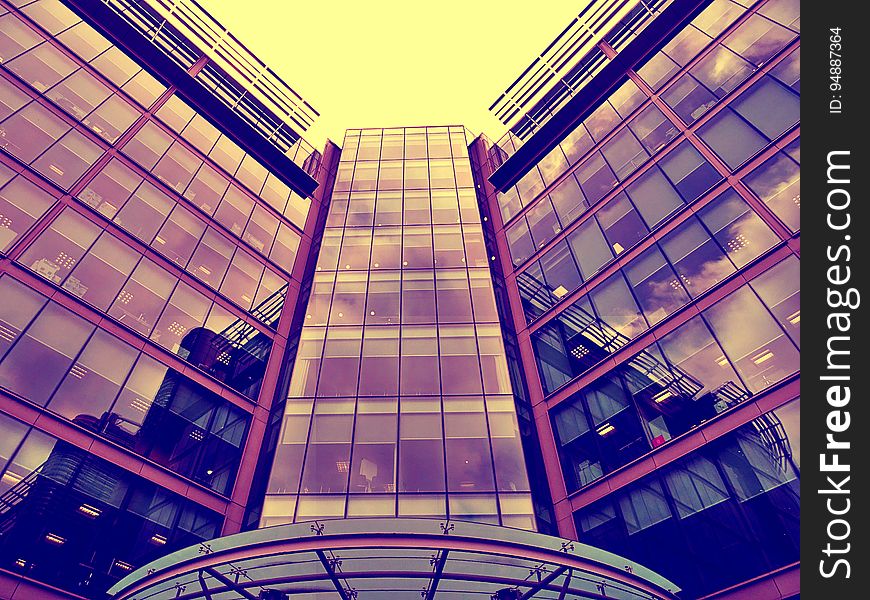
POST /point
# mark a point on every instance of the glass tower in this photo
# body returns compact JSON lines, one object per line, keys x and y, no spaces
{"x":400,"y":403}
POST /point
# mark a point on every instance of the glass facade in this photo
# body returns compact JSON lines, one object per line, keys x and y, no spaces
{"x":716,"y":517}
{"x":147,"y":248}
{"x":400,"y":399}
{"x":193,"y":343}
{"x":654,"y":252}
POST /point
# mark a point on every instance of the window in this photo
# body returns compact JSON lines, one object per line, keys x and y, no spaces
{"x":689,"y":172}
{"x":655,"y":198}
{"x":21,"y":204}
{"x":590,"y":248}
{"x":721,"y":71}
{"x":520,"y":242}
{"x":731,"y":138}
{"x":93,"y":381}
{"x":144,"y":88}
{"x":143,"y":297}
{"x":261,"y":230}
{"x":595,"y":177}
{"x":110,"y":188}
{"x":543,"y":223}
{"x":20,"y":304}
{"x":348,"y":299}
{"x":68,"y":159}
{"x":777,"y":183}
{"x":177,"y":167}
{"x":653,"y":129}
{"x":769,"y":106}
{"x":42,"y":355}
{"x":419,"y":361}
{"x":42,"y":67}
{"x":148,"y":145}
{"x":383,"y":302}
{"x":211,"y":258}
{"x":285,"y":248}
{"x":240,"y":283}
{"x":739,"y":231}
{"x":421,"y":445}
{"x":11,"y":98}
{"x":657,"y":288}
{"x":697,"y":258}
{"x":79,"y":94}
{"x":752,"y":339}
{"x":339,"y":370}
{"x":112,"y":118}
{"x":621,"y":224}
{"x":779,"y":289}
{"x":15,"y":37}
{"x":179,"y":236}
{"x":568,"y":200}
{"x":59,"y":248}
{"x":31,"y":130}
{"x":689,"y":99}
{"x":757,"y":39}
{"x":99,"y":275}
{"x":624,"y":153}
{"x":560,"y":271}
{"x":616,"y":306}
{"x":453,"y":298}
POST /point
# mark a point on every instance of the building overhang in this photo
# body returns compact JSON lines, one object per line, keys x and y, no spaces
{"x":392,"y":558}
{"x":108,"y":23}
{"x":649,"y":41}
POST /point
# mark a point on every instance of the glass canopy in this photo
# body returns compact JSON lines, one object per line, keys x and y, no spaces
{"x":363,"y":559}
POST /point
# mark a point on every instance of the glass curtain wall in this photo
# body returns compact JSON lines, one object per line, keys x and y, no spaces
{"x":400,"y":402}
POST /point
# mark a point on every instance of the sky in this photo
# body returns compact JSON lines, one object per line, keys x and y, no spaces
{"x":390,"y":63}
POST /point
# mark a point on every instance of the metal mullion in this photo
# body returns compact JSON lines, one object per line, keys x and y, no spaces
{"x":314,"y":397}
{"x":362,"y":326}
{"x":495,"y":479}
{"x":445,"y":493}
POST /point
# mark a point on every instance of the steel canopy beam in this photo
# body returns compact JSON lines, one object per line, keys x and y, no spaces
{"x":230,"y":583}
{"x":436,"y":577}
{"x":332,"y":576}
{"x":543,"y":583}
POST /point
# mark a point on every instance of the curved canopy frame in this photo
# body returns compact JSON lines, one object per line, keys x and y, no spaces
{"x":362,"y":559}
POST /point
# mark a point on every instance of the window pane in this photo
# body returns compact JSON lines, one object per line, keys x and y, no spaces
{"x":148,"y":145}
{"x":780,"y":290}
{"x":98,"y":277}
{"x":68,"y":159}
{"x":731,"y":138}
{"x":94,"y":380}
{"x":36,"y":364}
{"x":657,"y":288}
{"x":752,"y":339}
{"x":616,"y":306}
{"x":777,"y":182}
{"x":622,"y":226}
{"x":145,"y":212}
{"x":655,"y":198}
{"x":740,"y":232}
{"x":57,"y":249}
{"x":21,"y":205}
{"x":590,"y":248}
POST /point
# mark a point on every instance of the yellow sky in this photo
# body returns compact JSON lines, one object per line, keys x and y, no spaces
{"x":393,"y":63}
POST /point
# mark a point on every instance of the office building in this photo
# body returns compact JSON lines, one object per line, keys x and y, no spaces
{"x":421,"y":363}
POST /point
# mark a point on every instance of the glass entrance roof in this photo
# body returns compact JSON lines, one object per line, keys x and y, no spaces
{"x":393,"y":558}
